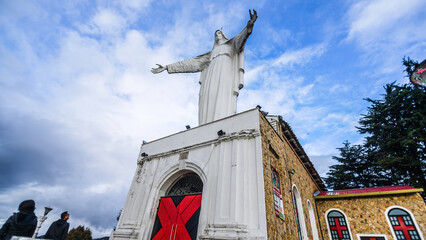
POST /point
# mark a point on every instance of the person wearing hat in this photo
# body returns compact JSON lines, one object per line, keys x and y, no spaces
{"x":59,"y":229}
{"x":21,"y":224}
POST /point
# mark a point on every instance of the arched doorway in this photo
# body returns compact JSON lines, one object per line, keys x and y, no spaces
{"x":178,"y":212}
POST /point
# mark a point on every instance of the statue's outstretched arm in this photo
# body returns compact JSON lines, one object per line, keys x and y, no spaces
{"x":196,"y":64}
{"x":240,"y":39}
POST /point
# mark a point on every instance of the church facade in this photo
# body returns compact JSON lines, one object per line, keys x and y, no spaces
{"x":247,"y":177}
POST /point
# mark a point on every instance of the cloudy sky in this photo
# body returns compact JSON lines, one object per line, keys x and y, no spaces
{"x":77,"y":96}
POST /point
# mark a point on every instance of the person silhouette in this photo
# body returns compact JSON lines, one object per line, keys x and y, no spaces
{"x":22,"y":224}
{"x":58,"y":230}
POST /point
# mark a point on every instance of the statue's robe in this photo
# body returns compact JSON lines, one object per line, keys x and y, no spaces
{"x":222,"y":76}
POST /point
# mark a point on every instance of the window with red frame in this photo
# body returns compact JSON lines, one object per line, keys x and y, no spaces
{"x":402,"y":225}
{"x":339,"y":229}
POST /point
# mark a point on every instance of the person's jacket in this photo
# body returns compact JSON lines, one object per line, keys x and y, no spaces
{"x":58,"y":230}
{"x":19,"y":224}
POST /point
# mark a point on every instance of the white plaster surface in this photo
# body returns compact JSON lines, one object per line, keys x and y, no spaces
{"x":230,"y":166}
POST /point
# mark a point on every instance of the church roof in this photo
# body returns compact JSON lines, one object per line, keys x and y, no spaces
{"x":291,"y":137}
{"x":368,"y":192}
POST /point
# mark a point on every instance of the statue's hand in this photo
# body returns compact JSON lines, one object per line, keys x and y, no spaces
{"x":253,"y":17}
{"x":159,"y":69}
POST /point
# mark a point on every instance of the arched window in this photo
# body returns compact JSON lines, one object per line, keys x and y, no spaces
{"x":312,"y":220}
{"x":187,"y":184}
{"x":298,"y":212}
{"x":338,"y":227}
{"x":403,"y":225}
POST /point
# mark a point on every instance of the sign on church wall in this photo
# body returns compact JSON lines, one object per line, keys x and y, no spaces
{"x":278,"y":199}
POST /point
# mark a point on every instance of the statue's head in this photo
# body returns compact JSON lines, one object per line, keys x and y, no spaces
{"x":219,"y":36}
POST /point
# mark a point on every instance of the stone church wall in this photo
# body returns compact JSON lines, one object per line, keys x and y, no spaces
{"x":366,"y":215}
{"x":278,"y":153}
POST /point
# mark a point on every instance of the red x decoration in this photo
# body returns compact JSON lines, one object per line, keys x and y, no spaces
{"x":404,"y":228}
{"x":338,"y":228}
{"x":173,"y":219}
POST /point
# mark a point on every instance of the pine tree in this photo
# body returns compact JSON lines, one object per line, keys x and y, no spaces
{"x":80,"y":233}
{"x":356,"y":169}
{"x":394,"y":149}
{"x":396,"y":128}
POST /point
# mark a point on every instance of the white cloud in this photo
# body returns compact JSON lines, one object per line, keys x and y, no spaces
{"x":370,"y":19}
{"x":105,"y":21}
{"x":99,"y":101}
{"x":385,"y":31}
{"x":273,"y":70}
{"x":300,"y":56}
{"x":134,"y":4}
{"x":322,"y":163}
{"x":100,"y":188}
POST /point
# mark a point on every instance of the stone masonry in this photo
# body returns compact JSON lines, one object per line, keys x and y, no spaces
{"x":366,"y":215}
{"x":278,"y":153}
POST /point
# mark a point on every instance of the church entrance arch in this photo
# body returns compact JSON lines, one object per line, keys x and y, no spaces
{"x":178,"y":212}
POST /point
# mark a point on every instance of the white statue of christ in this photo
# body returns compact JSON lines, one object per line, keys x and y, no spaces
{"x":222,"y":71}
